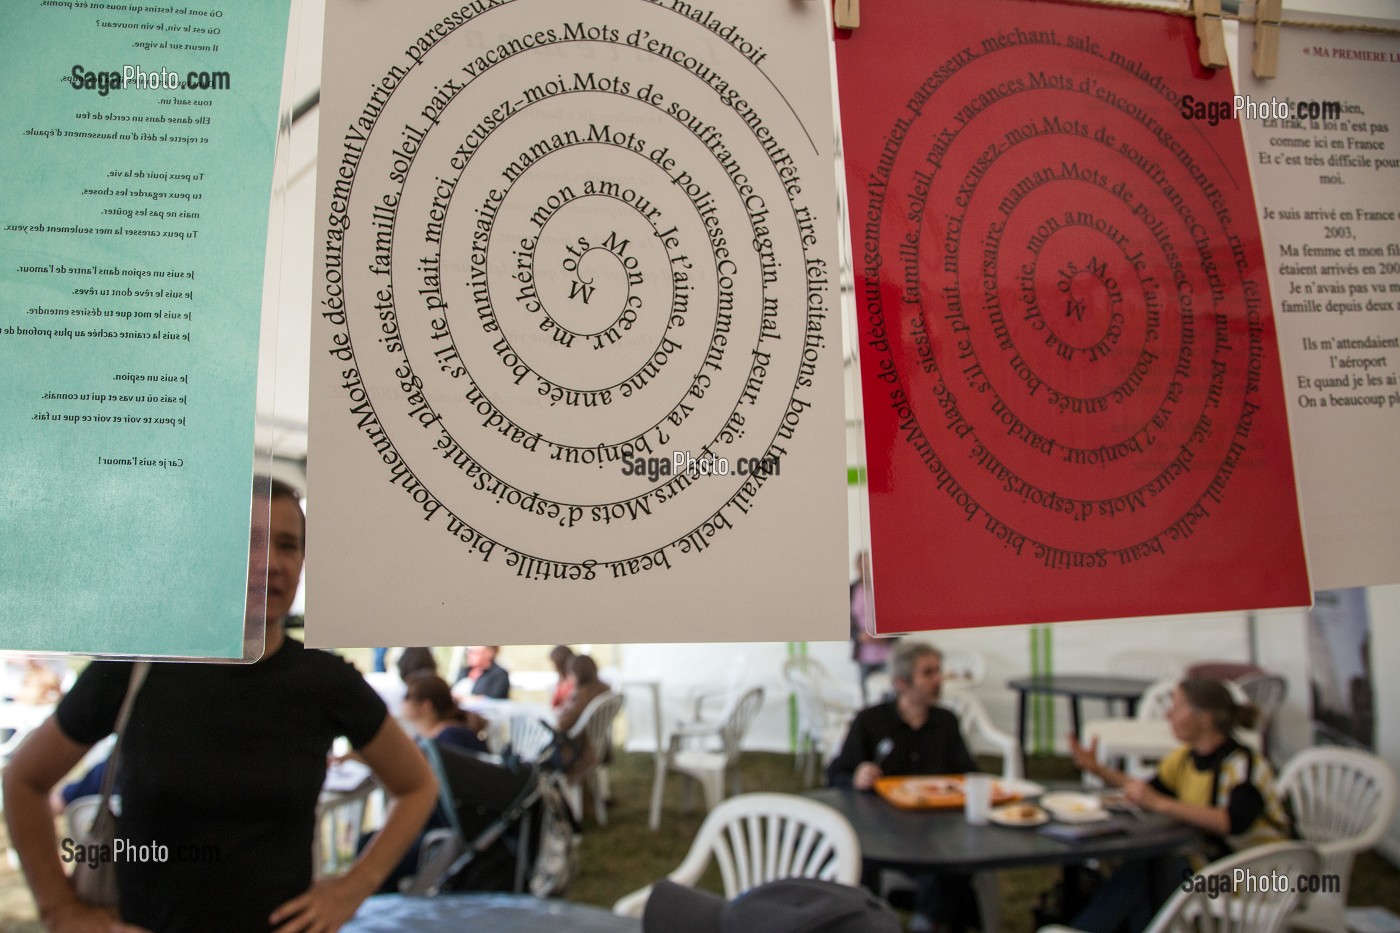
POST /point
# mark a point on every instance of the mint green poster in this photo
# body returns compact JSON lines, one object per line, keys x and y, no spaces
{"x":138,"y":143}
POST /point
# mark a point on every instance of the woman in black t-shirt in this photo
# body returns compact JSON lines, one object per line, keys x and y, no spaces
{"x":221,"y":766}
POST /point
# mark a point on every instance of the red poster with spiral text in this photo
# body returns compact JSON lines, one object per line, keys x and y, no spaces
{"x":1072,"y":393}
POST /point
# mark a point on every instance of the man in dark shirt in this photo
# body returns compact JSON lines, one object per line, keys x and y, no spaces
{"x":923,"y":736}
{"x":912,"y":734}
{"x":488,"y":678}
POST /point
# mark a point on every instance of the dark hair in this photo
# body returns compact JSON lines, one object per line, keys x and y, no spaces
{"x":1212,"y":697}
{"x":560,"y":658}
{"x":416,"y":661}
{"x":425,"y":685}
{"x":269,"y":488}
{"x":278,"y":489}
{"x":584,"y":669}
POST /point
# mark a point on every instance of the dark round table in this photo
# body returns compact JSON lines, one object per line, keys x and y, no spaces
{"x":943,"y":840}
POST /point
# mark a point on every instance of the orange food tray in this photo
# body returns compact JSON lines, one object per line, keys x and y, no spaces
{"x":934,"y":792}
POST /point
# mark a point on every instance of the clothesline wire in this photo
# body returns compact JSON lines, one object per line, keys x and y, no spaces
{"x":1301,"y":23}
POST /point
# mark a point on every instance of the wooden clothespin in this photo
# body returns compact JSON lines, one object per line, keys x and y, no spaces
{"x":1267,"y":16}
{"x":847,"y":14}
{"x":1210,"y":29}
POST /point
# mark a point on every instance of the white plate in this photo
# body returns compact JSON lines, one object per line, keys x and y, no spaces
{"x":1021,"y":787}
{"x":1074,"y":808}
{"x":1007,"y":816}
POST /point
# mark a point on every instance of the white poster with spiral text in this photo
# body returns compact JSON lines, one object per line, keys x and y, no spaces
{"x":576,"y":347}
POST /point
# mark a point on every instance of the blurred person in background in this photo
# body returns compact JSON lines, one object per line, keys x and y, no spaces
{"x":576,"y":755}
{"x":561,"y":657}
{"x":871,"y":654}
{"x":416,"y":661}
{"x":488,"y":679}
{"x":912,"y":734}
{"x":435,"y":715}
{"x":1211,"y":781}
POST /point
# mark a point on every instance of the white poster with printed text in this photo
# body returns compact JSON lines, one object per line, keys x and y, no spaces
{"x":576,"y":351}
{"x":1324,"y":147}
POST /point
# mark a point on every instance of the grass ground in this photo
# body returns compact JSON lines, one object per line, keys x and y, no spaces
{"x":625,"y":855}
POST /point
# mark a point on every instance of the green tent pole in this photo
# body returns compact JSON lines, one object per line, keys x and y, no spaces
{"x":1035,"y":697}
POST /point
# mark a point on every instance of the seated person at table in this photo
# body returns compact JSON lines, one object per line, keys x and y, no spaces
{"x":435,"y":715}
{"x":561,"y":657}
{"x":1212,"y":782}
{"x":911,"y":734}
{"x":575,"y":755}
{"x":488,"y":679}
{"x":925,"y":737}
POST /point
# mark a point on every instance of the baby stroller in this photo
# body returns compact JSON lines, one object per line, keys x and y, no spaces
{"x":507,"y":828}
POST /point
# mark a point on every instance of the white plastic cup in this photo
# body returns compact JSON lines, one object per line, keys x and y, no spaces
{"x":977,"y":792}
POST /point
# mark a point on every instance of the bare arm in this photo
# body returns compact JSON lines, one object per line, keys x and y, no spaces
{"x":1086,"y":758}
{"x":1212,"y":819}
{"x":406,"y":776}
{"x":38,"y":765}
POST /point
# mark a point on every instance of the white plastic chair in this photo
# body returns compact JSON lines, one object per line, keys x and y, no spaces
{"x":1342,"y":801}
{"x":718,"y":699}
{"x":1266,"y":692}
{"x":822,"y":714}
{"x":709,"y":768}
{"x":1236,"y":911}
{"x":975,"y":723}
{"x":1156,"y":700}
{"x":529,"y":736}
{"x":596,"y":724}
{"x":757,"y":838}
